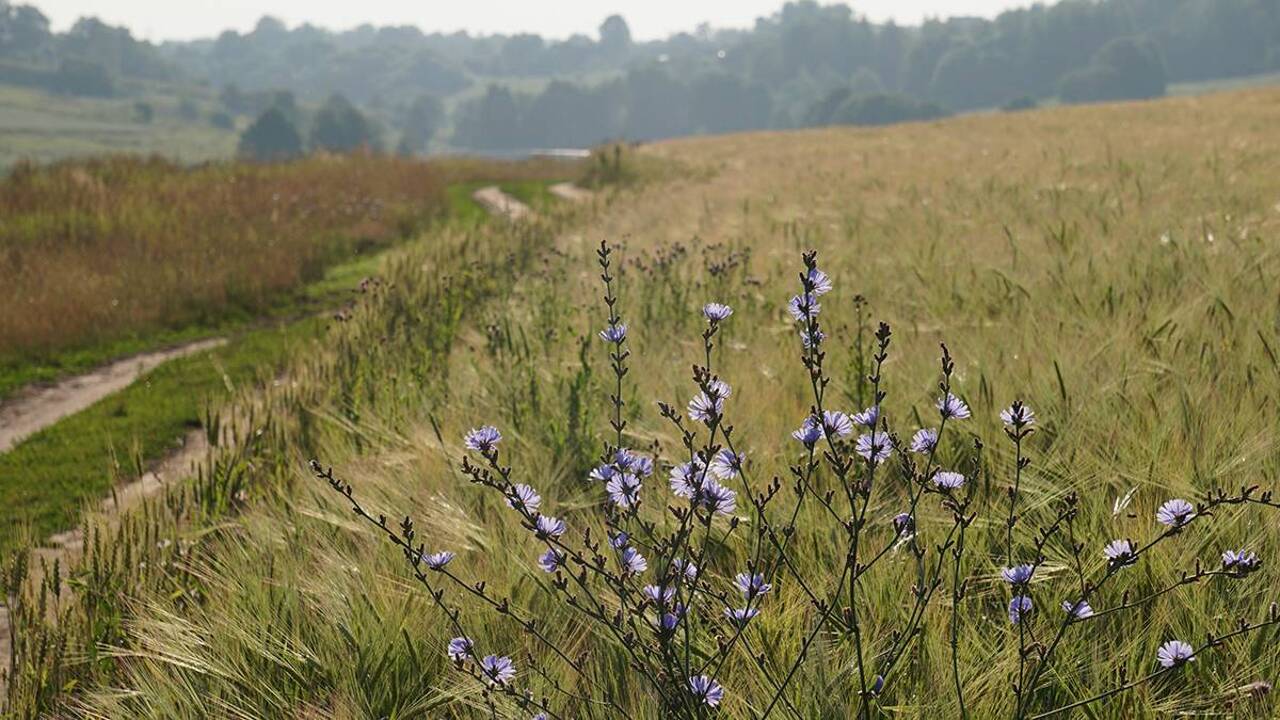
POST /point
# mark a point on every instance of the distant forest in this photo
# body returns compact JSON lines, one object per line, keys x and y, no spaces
{"x":806,"y":65}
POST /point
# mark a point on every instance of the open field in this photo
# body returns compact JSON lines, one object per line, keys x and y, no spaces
{"x":42,"y":127}
{"x":1114,"y":266}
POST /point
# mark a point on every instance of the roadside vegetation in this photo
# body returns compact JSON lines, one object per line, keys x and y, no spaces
{"x":104,"y":257}
{"x":1112,"y":266}
{"x":186,"y":254}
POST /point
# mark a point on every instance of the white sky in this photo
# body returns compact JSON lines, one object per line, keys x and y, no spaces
{"x":649,"y":19}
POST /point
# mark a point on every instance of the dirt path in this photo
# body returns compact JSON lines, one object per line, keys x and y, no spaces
{"x":35,"y":409}
{"x":571,"y":192}
{"x":500,"y":203}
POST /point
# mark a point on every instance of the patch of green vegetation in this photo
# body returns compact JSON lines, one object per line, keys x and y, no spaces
{"x":462,"y":207}
{"x":43,"y":127}
{"x":50,"y":475}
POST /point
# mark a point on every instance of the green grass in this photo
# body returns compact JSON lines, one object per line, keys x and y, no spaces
{"x":51,"y":474}
{"x":42,"y":127}
{"x":534,"y":193}
{"x":77,"y":460}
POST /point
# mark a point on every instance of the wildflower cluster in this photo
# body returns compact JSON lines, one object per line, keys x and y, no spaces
{"x":642,"y":571}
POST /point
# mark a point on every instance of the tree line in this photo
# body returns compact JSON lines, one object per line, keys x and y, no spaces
{"x":807,"y":64}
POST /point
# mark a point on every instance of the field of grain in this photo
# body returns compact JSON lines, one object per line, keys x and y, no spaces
{"x":1113,"y":266}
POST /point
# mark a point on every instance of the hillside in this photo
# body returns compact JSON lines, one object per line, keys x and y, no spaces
{"x":1111,"y":265}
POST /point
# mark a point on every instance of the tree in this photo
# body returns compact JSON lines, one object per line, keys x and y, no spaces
{"x":1123,"y":69}
{"x":493,"y":121}
{"x":885,"y":110}
{"x":615,"y":35}
{"x":340,"y":127}
{"x":422,"y":119}
{"x":271,"y":137}
{"x":81,"y":77}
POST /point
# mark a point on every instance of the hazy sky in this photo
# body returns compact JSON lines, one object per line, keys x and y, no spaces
{"x":180,"y":19}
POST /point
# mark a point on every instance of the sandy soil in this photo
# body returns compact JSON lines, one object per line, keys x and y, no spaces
{"x":571,"y":192}
{"x":500,"y":203}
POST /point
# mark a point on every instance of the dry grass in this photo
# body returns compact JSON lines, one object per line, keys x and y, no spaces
{"x":97,"y":250}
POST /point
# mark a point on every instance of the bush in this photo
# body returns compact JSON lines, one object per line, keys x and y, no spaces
{"x":271,"y":137}
{"x":1123,"y":69}
{"x":1018,"y":104}
{"x":885,"y":109}
{"x":340,"y":127}
{"x":80,"y":77}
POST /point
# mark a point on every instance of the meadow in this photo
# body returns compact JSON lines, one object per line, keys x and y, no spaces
{"x":1112,"y":266}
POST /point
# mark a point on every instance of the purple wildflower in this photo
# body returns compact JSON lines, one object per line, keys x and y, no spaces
{"x":459,"y":648}
{"x":811,"y":339}
{"x":483,"y":439}
{"x":685,"y":478}
{"x":668,"y":621}
{"x":837,"y":423}
{"x":1018,"y":415}
{"x":684,"y":566}
{"x":1019,"y":608}
{"x":706,"y":690}
{"x":948,"y":480}
{"x":551,"y":560}
{"x":924,"y":441}
{"x":810,"y":432}
{"x":716,"y":312}
{"x":804,"y":307}
{"x":603,"y":473}
{"x":904,"y":524}
{"x":1018,"y":575}
{"x":633,"y":462}
{"x":1120,"y":553}
{"x":619,"y":541}
{"x":624,"y":490}
{"x":867,"y":418}
{"x":874,"y":447}
{"x":752,"y":585}
{"x":1175,"y":513}
{"x":1079,"y":610}
{"x":1240,"y":562}
{"x":740,"y":616}
{"x":660,"y":596}
{"x":498,"y":670}
{"x":819,"y":281}
{"x":718,"y":498}
{"x":726,"y":464}
{"x":614,"y":333}
{"x":633,"y":563}
{"x":437,"y":561}
{"x":952,"y":407}
{"x":524,"y":497}
{"x":877,"y":686}
{"x":1175,"y":653}
{"x":547,"y":526}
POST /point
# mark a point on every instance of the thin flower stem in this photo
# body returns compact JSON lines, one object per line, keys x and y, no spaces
{"x":1212,"y":643}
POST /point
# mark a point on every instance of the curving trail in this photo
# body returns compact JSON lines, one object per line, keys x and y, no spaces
{"x":572,"y":193}
{"x":501,"y":204}
{"x":34,"y":409}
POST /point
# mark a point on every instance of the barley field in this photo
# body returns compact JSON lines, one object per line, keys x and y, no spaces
{"x":1114,"y":267}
